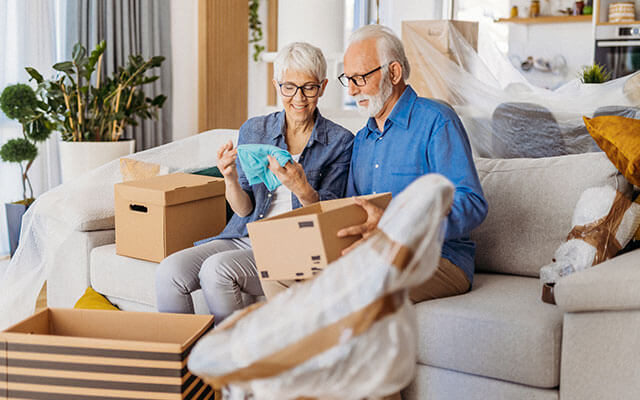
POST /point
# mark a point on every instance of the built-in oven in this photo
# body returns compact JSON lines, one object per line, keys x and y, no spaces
{"x":618,"y":49}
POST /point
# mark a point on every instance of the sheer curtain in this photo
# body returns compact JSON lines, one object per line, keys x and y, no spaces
{"x":27,"y":38}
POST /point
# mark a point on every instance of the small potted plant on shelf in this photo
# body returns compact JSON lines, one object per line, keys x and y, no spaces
{"x":594,"y":74}
{"x":91,"y":114}
{"x":20,"y":102}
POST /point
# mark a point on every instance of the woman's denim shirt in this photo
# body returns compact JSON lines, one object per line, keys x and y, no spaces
{"x":325,"y":160}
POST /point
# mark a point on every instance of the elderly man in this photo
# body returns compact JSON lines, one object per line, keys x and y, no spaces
{"x":405,"y":137}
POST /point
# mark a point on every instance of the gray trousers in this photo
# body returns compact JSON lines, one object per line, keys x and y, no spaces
{"x":223,"y":269}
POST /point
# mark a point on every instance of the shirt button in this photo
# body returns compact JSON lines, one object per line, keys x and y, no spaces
{"x":377,"y":165}
{"x":269,"y":195}
{"x":261,"y":215}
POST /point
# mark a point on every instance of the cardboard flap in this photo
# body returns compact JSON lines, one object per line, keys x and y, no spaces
{"x":172,"y":189}
{"x":380,"y":199}
{"x":103,"y":326}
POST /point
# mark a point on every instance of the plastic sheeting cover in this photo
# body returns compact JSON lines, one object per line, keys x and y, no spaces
{"x":504,"y":115}
{"x":380,"y":360}
{"x":48,"y":225}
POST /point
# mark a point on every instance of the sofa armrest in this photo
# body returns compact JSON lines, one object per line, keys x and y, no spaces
{"x":611,"y":285}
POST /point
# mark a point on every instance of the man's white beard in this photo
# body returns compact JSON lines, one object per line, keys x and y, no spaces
{"x":376,"y":102}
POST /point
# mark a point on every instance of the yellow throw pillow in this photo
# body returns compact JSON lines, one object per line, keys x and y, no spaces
{"x":619,"y":138}
{"x":92,"y":300}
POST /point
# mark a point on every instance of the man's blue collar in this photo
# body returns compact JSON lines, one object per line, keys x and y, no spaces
{"x":401,"y":113}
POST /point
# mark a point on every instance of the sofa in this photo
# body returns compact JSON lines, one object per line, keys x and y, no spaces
{"x":498,"y":341}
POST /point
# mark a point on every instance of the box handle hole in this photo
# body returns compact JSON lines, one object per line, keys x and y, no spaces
{"x":138,"y":208}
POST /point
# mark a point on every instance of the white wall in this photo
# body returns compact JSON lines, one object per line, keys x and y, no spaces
{"x":258,"y":79}
{"x":574,"y":41}
{"x":393,"y":12}
{"x":184,"y":55}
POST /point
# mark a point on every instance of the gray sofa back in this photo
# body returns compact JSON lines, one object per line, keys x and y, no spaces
{"x":531,"y":202}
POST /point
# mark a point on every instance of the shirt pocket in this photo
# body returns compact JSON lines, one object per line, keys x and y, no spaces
{"x":406,"y":170}
{"x":314,"y":177}
{"x":403,"y":175}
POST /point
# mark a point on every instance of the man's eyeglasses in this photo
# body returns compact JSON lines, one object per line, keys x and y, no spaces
{"x":358,"y":80}
{"x":288,"y":89}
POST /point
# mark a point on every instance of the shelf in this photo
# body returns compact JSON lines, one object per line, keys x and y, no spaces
{"x":547,"y":19}
{"x":619,"y":23}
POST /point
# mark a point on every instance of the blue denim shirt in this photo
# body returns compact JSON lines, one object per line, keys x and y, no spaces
{"x":325,"y":160}
{"x":422,"y":136}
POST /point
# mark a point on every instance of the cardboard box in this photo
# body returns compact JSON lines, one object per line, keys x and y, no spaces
{"x":158,"y":216}
{"x":425,"y":77}
{"x":300,"y":243}
{"x":101,"y":354}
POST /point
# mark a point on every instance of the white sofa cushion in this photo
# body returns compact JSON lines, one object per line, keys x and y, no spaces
{"x":499,"y":330}
{"x":129,"y":283}
{"x":442,"y":384}
{"x":531,"y":202}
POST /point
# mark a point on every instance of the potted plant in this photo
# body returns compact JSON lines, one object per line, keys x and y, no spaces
{"x":19,"y":102}
{"x":91,"y":115}
{"x":594,"y":74}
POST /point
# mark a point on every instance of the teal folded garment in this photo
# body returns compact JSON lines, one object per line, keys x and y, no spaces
{"x":254,"y":163}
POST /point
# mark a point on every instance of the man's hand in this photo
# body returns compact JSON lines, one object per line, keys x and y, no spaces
{"x":227,"y":161}
{"x":293,"y":177}
{"x":374,"y":213}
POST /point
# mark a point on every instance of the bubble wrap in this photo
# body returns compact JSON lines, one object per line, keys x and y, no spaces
{"x":504,"y":115}
{"x":83,"y":204}
{"x":272,"y":350}
{"x":577,"y":254}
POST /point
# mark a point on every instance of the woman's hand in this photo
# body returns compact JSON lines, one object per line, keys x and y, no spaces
{"x":238,"y":199}
{"x":293,"y":177}
{"x":227,"y":161}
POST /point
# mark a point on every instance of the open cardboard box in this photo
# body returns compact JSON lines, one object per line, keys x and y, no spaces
{"x":158,"y":216}
{"x":300,"y":243}
{"x":89,"y":354}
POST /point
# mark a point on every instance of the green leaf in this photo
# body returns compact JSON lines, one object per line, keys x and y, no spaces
{"x":66,"y":66}
{"x":96,"y":53}
{"x":156,"y":61}
{"x":34,"y":74}
{"x":159,"y":100}
{"x":78,"y":52}
{"x":148,"y":79}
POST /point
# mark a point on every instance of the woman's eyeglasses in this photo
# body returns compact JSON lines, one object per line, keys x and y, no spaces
{"x":288,"y":89}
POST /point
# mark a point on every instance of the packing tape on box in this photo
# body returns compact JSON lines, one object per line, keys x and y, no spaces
{"x":601,"y":234}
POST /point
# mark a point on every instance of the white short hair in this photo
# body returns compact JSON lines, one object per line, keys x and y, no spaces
{"x":390,"y":48}
{"x":302,"y":57}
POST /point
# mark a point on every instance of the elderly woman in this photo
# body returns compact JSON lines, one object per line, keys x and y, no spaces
{"x":224,"y":266}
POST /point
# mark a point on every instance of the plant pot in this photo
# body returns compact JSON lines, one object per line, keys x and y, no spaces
{"x":14,"y":214}
{"x":76,"y":158}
